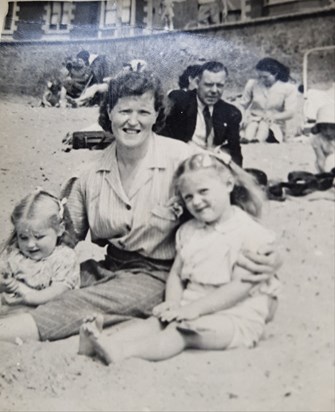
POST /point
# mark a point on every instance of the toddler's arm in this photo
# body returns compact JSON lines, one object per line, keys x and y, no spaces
{"x":32,"y":297}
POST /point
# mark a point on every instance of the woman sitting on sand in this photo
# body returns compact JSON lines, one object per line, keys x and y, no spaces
{"x":270,"y":100}
{"x":126,"y":202}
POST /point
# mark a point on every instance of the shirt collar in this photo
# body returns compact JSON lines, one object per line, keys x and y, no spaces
{"x":155,"y":158}
{"x":229,"y":225}
{"x":201,"y":106}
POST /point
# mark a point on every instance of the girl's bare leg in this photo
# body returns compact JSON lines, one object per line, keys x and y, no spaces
{"x":92,"y":342}
{"x":136,"y":329}
{"x":161,"y":345}
{"x":20,"y":326}
{"x":171,"y":341}
{"x":251,"y":131}
{"x":262,"y":132}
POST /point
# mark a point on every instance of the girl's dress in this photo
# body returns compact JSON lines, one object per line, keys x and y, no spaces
{"x":280,"y":97}
{"x":208,"y":256}
{"x":61,"y":266}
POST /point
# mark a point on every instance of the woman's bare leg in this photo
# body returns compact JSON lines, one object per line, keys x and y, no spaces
{"x":20,"y":326}
{"x":160,"y":345}
{"x":262,"y":132}
{"x":251,"y":131}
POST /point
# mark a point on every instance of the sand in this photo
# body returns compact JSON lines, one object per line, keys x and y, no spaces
{"x":291,"y":370}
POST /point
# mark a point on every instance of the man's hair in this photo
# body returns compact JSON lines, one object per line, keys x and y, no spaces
{"x":212,"y":66}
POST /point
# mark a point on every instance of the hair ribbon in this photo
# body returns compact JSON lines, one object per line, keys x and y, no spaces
{"x":223,"y":156}
{"x":61,"y":204}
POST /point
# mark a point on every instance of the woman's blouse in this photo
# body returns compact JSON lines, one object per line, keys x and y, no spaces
{"x":280,"y":97}
{"x":61,"y":266}
{"x":209,"y":253}
{"x":143,"y":221}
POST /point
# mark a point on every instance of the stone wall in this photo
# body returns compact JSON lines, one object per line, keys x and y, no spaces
{"x":25,"y":67}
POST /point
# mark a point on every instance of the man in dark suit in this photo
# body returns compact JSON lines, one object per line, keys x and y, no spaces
{"x":201,"y":116}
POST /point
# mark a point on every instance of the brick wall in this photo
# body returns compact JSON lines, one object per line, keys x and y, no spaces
{"x":24,"y":68}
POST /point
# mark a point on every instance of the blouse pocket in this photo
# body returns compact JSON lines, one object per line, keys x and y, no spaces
{"x":163,"y":218}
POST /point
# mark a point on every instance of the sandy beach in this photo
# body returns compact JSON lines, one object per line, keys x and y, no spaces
{"x":291,"y":370}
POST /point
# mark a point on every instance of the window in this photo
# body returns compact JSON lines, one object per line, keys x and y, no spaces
{"x":115,"y":12}
{"x":10,"y":19}
{"x":59,"y":14}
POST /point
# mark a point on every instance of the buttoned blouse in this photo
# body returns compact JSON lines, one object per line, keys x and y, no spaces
{"x":142,"y":221}
{"x":280,"y":97}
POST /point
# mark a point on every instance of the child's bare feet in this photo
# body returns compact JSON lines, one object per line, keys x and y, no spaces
{"x":92,"y":342}
{"x":88,"y":333}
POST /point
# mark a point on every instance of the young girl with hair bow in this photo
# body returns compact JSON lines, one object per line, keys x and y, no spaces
{"x":38,"y":262}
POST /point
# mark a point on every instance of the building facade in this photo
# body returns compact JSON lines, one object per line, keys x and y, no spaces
{"x":39,"y":20}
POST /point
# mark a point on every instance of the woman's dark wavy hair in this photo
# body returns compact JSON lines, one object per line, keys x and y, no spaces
{"x":277,"y":69}
{"x":190,"y":71}
{"x":132,"y":84}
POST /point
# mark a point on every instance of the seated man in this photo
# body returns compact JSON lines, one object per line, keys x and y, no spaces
{"x":200,"y":116}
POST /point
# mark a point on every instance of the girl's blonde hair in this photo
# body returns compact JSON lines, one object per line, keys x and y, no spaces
{"x":54,"y":210}
{"x":246,"y":192}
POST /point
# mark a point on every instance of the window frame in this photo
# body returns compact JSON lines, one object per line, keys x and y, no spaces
{"x":48,"y":16}
{"x":14,"y":18}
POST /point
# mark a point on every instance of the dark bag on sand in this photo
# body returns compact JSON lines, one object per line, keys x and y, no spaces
{"x":94,"y":140}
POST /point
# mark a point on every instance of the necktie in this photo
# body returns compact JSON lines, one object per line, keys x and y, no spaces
{"x":208,"y":121}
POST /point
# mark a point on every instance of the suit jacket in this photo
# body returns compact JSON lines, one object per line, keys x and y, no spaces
{"x":181,"y":121}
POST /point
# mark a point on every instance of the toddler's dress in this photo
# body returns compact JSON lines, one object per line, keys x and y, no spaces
{"x":61,"y":266}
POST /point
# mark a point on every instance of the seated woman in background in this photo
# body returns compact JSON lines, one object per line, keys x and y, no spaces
{"x":187,"y":80}
{"x":271,"y":100}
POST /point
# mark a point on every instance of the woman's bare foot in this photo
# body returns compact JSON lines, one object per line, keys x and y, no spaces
{"x":88,"y":333}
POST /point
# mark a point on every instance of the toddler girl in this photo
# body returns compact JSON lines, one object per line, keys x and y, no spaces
{"x":38,"y":262}
{"x":206,"y":305}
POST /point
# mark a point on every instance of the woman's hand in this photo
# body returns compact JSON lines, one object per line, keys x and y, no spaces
{"x":261,"y":265}
{"x":269,"y":117}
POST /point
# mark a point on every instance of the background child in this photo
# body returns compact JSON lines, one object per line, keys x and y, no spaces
{"x":38,"y":262}
{"x":52,"y":94}
{"x":323,"y":141}
{"x":206,"y":305}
